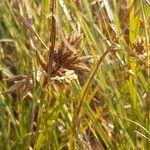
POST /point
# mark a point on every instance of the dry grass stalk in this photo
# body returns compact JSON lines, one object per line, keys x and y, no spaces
{"x":28,"y":25}
{"x":19,"y":82}
{"x":52,"y":41}
{"x":110,"y":49}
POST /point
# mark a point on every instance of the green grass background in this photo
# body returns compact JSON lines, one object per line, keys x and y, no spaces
{"x":115,"y":112}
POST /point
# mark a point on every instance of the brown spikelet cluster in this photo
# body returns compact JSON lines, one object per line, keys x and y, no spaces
{"x":113,"y":49}
{"x":140,"y":51}
{"x":139,"y":45}
{"x":66,"y":56}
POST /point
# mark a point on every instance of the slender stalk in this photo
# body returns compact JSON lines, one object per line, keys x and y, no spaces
{"x":83,"y":97}
{"x":52,"y":41}
{"x":90,"y":80}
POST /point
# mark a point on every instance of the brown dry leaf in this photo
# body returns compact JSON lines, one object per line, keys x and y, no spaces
{"x":15,"y":87}
{"x":20,"y":82}
{"x":16,"y":78}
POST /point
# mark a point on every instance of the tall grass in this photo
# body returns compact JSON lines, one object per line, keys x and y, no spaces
{"x":106,"y":108}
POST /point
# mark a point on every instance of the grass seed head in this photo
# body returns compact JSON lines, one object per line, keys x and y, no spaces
{"x":139,"y":45}
{"x":69,"y":58}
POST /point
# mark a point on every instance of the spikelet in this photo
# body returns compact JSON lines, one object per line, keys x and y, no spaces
{"x":140,"y":52}
{"x":66,"y":56}
{"x":139,"y":45}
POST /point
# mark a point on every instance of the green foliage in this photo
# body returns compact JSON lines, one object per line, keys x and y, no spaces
{"x":107,"y":108}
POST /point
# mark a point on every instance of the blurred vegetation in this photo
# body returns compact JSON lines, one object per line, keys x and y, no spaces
{"x":74,"y":74}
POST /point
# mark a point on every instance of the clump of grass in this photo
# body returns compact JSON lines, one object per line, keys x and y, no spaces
{"x":74,"y":74}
